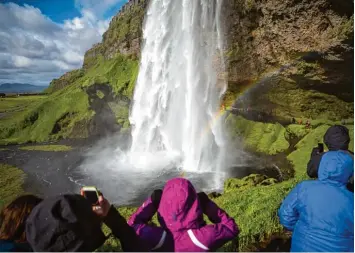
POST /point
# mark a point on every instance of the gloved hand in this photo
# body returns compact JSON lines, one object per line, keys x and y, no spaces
{"x":156,"y":196}
{"x":315,"y":151}
{"x":203,"y":198}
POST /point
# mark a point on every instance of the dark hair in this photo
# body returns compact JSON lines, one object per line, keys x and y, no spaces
{"x":13,"y":218}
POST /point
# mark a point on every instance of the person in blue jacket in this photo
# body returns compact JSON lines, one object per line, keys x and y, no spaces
{"x":321,"y":212}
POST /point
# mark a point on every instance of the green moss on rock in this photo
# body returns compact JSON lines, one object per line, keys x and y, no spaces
{"x":298,"y":131}
{"x":262,"y":137}
{"x":232,"y":184}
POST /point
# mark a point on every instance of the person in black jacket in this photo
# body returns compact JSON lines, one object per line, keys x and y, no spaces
{"x":71,"y":223}
{"x":336,"y":138}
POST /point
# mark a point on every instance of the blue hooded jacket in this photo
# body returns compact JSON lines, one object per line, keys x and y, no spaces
{"x":321,"y":212}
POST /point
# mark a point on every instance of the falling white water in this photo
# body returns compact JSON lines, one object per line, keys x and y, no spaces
{"x":177,"y":96}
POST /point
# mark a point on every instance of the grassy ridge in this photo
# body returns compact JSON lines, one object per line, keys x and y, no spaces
{"x":66,"y":113}
{"x":10,"y":105}
{"x":36,"y":122}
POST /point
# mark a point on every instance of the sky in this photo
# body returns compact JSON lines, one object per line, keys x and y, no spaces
{"x":42,"y":39}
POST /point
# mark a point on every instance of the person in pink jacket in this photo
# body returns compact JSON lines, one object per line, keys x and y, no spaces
{"x":180,"y":214}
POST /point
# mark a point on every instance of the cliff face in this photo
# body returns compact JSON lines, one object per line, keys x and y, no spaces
{"x":264,"y":34}
{"x":123,"y":35}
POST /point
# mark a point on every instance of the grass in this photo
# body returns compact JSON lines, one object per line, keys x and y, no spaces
{"x":47,"y":148}
{"x":291,"y":101}
{"x":11,"y":181}
{"x":66,"y":79}
{"x":120,"y":72}
{"x":10,"y":105}
{"x":258,"y":136}
{"x":36,"y":123}
{"x":296,"y":130}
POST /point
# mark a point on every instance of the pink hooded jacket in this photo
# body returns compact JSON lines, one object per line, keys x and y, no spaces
{"x":181,"y":219}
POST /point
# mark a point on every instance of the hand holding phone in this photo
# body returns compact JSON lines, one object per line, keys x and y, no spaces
{"x":100,"y":205}
{"x":91,"y":194}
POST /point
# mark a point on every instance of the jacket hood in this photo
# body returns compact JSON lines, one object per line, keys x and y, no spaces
{"x":336,"y":167}
{"x":179,"y":208}
{"x":337,"y":137}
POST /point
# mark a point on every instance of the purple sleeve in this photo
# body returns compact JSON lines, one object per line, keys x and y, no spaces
{"x":223,"y":230}
{"x":153,"y":237}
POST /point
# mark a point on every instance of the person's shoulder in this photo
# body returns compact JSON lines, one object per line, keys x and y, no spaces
{"x":306,"y":184}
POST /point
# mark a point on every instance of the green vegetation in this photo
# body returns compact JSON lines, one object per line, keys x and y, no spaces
{"x":124,"y":28}
{"x":66,"y":112}
{"x":121,"y":112}
{"x":47,"y":148}
{"x":65,"y":80}
{"x":304,"y":68}
{"x":11,"y":105}
{"x":11,"y":181}
{"x":346,"y":29}
{"x":291,"y":101}
{"x":120,"y":72}
{"x":41,"y":121}
{"x":295,"y":130}
{"x":261,"y":137}
{"x":100,"y":94}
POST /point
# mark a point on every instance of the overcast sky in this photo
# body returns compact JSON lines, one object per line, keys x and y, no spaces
{"x":42,"y":39}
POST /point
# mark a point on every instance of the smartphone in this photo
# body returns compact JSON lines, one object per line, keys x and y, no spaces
{"x":320,"y":147}
{"x":90,"y":193}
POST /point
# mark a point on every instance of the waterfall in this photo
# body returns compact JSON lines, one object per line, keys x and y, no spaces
{"x":176,"y":101}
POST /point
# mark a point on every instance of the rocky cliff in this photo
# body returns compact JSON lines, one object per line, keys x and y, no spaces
{"x":123,"y":35}
{"x":308,"y":43}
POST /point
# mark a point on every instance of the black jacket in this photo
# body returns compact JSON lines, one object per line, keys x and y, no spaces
{"x":121,"y":230}
{"x":336,"y":138}
{"x":67,"y":223}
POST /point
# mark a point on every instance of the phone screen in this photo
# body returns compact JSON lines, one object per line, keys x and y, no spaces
{"x":91,"y":196}
{"x":320,"y":147}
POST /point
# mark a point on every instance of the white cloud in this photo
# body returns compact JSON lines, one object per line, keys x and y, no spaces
{"x":35,"y":49}
{"x":98,"y":8}
{"x":21,"y":61}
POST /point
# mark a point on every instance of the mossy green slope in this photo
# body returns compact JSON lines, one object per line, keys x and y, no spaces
{"x":258,"y":136}
{"x":36,"y":122}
